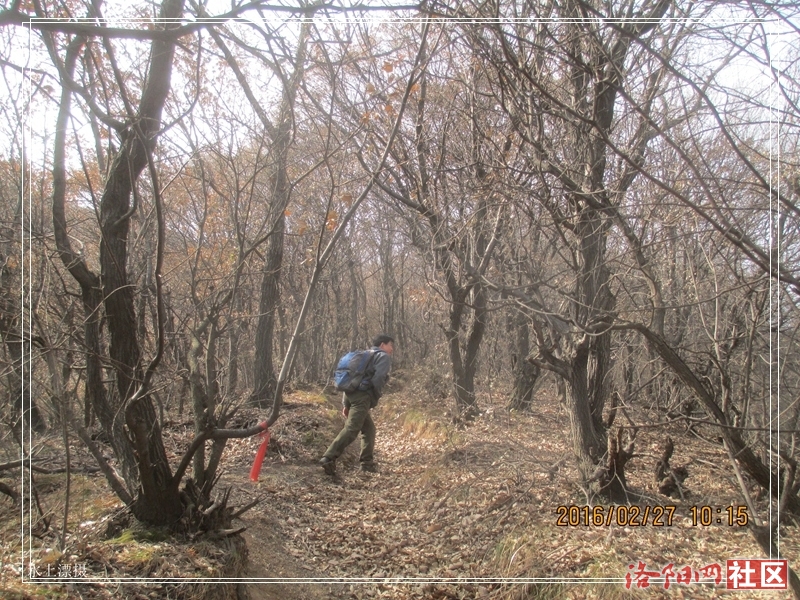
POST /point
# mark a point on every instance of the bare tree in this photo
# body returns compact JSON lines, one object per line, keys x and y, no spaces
{"x":150,"y":484}
{"x":632,"y":138}
{"x":559,"y":75}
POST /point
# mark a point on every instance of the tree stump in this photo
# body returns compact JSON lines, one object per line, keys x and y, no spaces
{"x":669,"y":479}
{"x":611,"y":475}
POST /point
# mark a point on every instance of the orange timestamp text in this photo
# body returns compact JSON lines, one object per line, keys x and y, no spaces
{"x":652,"y":516}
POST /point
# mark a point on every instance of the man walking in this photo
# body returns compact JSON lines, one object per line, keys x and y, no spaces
{"x":357,"y":406}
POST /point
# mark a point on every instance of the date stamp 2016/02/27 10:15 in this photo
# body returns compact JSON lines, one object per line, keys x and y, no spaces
{"x":653,"y":516}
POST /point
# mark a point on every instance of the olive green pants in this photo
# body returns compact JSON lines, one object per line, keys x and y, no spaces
{"x":358,"y":421}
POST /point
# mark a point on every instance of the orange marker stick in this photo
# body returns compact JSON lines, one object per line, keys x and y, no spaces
{"x":262,"y":452}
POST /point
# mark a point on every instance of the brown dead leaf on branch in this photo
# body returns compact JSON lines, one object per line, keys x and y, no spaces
{"x":331,"y":220}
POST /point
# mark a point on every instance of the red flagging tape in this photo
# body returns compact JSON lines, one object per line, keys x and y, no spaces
{"x":262,"y":452}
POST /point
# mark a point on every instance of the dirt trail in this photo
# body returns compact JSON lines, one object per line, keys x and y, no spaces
{"x":269,"y":559}
{"x":438,"y":506}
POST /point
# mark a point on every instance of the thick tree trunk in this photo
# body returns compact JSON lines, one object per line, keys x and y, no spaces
{"x":158,"y":501}
{"x":155,"y":500}
{"x":591,"y":358}
{"x":599,"y":369}
{"x":264,"y":376}
{"x":110,"y":416}
{"x":265,"y":382}
{"x":464,"y":361}
{"x":464,"y":390}
{"x":525,"y":373}
{"x":111,"y":419}
{"x":588,"y":442}
{"x":463,"y":378}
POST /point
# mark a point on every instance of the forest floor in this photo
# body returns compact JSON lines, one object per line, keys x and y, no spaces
{"x":454,"y":511}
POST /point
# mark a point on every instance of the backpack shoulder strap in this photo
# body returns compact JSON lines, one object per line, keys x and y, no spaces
{"x":368,"y":355}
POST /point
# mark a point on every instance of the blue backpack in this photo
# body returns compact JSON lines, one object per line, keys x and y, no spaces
{"x":350,"y":371}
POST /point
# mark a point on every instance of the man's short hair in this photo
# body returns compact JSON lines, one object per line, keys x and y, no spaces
{"x":382,"y":339}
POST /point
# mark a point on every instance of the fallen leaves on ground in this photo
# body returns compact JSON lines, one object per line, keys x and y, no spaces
{"x":455,"y":511}
{"x":480,"y":501}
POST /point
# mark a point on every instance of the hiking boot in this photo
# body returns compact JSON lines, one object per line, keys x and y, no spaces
{"x":369,"y":467}
{"x":329,"y":465}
